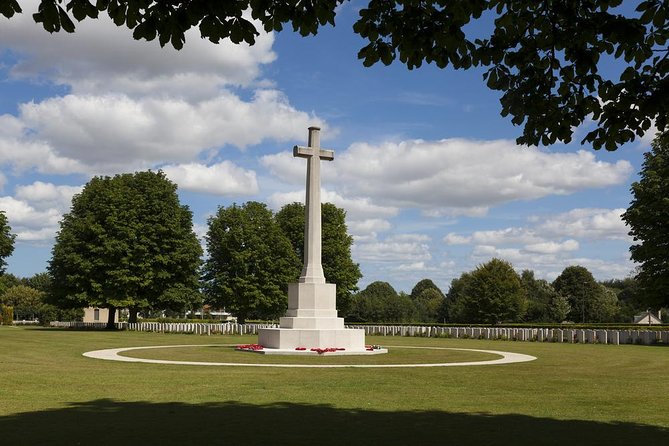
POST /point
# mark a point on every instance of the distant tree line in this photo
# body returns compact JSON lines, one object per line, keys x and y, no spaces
{"x":495,"y":293}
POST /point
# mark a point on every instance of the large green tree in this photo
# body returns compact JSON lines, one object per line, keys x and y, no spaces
{"x":551,"y":59}
{"x":379,"y":302}
{"x":125,"y":243}
{"x":429,"y":301}
{"x":251,"y":262}
{"x":338,"y":266}
{"x":590,"y":301}
{"x":491,"y":294}
{"x":648,"y":220}
{"x":6,"y":241}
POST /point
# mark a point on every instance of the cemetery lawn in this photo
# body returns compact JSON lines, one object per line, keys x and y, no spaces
{"x":572,"y":394}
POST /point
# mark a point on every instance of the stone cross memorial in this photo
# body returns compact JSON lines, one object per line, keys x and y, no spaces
{"x":311,"y":319}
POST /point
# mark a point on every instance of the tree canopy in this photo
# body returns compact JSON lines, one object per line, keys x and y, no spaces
{"x":250,"y":262}
{"x":6,"y":241}
{"x":379,"y":302}
{"x":551,"y":60}
{"x":338,"y":266}
{"x":648,"y":219}
{"x":125,"y":243}
{"x":589,"y":301}
{"x":490,"y":294}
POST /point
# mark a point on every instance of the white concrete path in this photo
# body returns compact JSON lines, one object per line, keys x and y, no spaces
{"x":113,"y":354}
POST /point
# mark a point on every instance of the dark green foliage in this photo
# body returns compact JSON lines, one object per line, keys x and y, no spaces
{"x":544,"y":56}
{"x":491,"y":294}
{"x":648,"y":219}
{"x":338,"y":266}
{"x":250,"y":262}
{"x":590,"y":301}
{"x":39,"y":281}
{"x":425,"y":284}
{"x":631,"y":297}
{"x":429,"y":301}
{"x":8,"y":281}
{"x":125,"y":241}
{"x":379,"y":302}
{"x":6,"y":241}
{"x":429,"y":305}
{"x":544,"y":304}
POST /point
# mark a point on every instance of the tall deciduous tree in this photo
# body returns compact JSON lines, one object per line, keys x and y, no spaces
{"x":490,"y":294}
{"x":648,"y":219}
{"x":125,"y":242}
{"x":590,"y":301}
{"x":250,"y":262}
{"x":338,"y":266}
{"x":544,"y":56}
{"x":429,"y":301}
{"x":6,"y":241}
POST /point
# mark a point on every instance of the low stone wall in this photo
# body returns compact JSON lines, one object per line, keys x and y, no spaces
{"x":583,"y":336}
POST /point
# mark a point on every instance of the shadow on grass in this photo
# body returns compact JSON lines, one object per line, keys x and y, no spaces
{"x":107,"y":422}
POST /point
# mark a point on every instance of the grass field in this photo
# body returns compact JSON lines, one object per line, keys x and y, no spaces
{"x":572,"y":394}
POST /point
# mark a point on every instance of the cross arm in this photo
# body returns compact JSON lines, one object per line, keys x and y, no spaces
{"x":307,"y":152}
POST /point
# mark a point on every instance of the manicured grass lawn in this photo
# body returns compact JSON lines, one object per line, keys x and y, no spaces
{"x":573,"y":394}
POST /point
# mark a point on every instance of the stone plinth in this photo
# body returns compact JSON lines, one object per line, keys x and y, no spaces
{"x":311,"y":322}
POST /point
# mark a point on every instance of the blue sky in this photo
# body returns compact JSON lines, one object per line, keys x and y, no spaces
{"x":426,"y":168}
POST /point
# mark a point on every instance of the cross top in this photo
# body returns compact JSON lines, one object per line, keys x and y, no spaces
{"x":313,"y":269}
{"x":314,"y":146}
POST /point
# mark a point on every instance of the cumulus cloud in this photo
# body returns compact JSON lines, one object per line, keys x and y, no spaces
{"x":36,"y":209}
{"x":591,"y":223}
{"x":103,"y":129}
{"x":28,"y":222}
{"x":396,"y":248}
{"x":553,"y":247}
{"x":454,"y":175}
{"x":356,"y":208}
{"x":47,"y":195}
{"x":224,"y":178}
{"x":102,"y":56}
{"x":132,"y":105}
{"x":369,"y":226}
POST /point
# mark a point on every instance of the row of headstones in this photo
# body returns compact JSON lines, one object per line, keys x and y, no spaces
{"x":646,"y":337}
{"x":195,"y":328}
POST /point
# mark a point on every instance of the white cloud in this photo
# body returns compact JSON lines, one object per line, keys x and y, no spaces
{"x":102,"y":56}
{"x":397,"y":248}
{"x":370,"y":226}
{"x":36,"y":209}
{"x":359,"y":208}
{"x":459,"y":176}
{"x":131,"y":104}
{"x":416,"y":266}
{"x":552,"y":247}
{"x":46,"y":196}
{"x":593,"y":224}
{"x":101,"y":130}
{"x":454,"y":239}
{"x":29,"y":223}
{"x":224,"y":178}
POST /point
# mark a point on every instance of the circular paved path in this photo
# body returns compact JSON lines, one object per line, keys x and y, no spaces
{"x":113,"y":354}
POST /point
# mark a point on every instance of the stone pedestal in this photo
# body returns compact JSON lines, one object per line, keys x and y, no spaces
{"x":311,"y":322}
